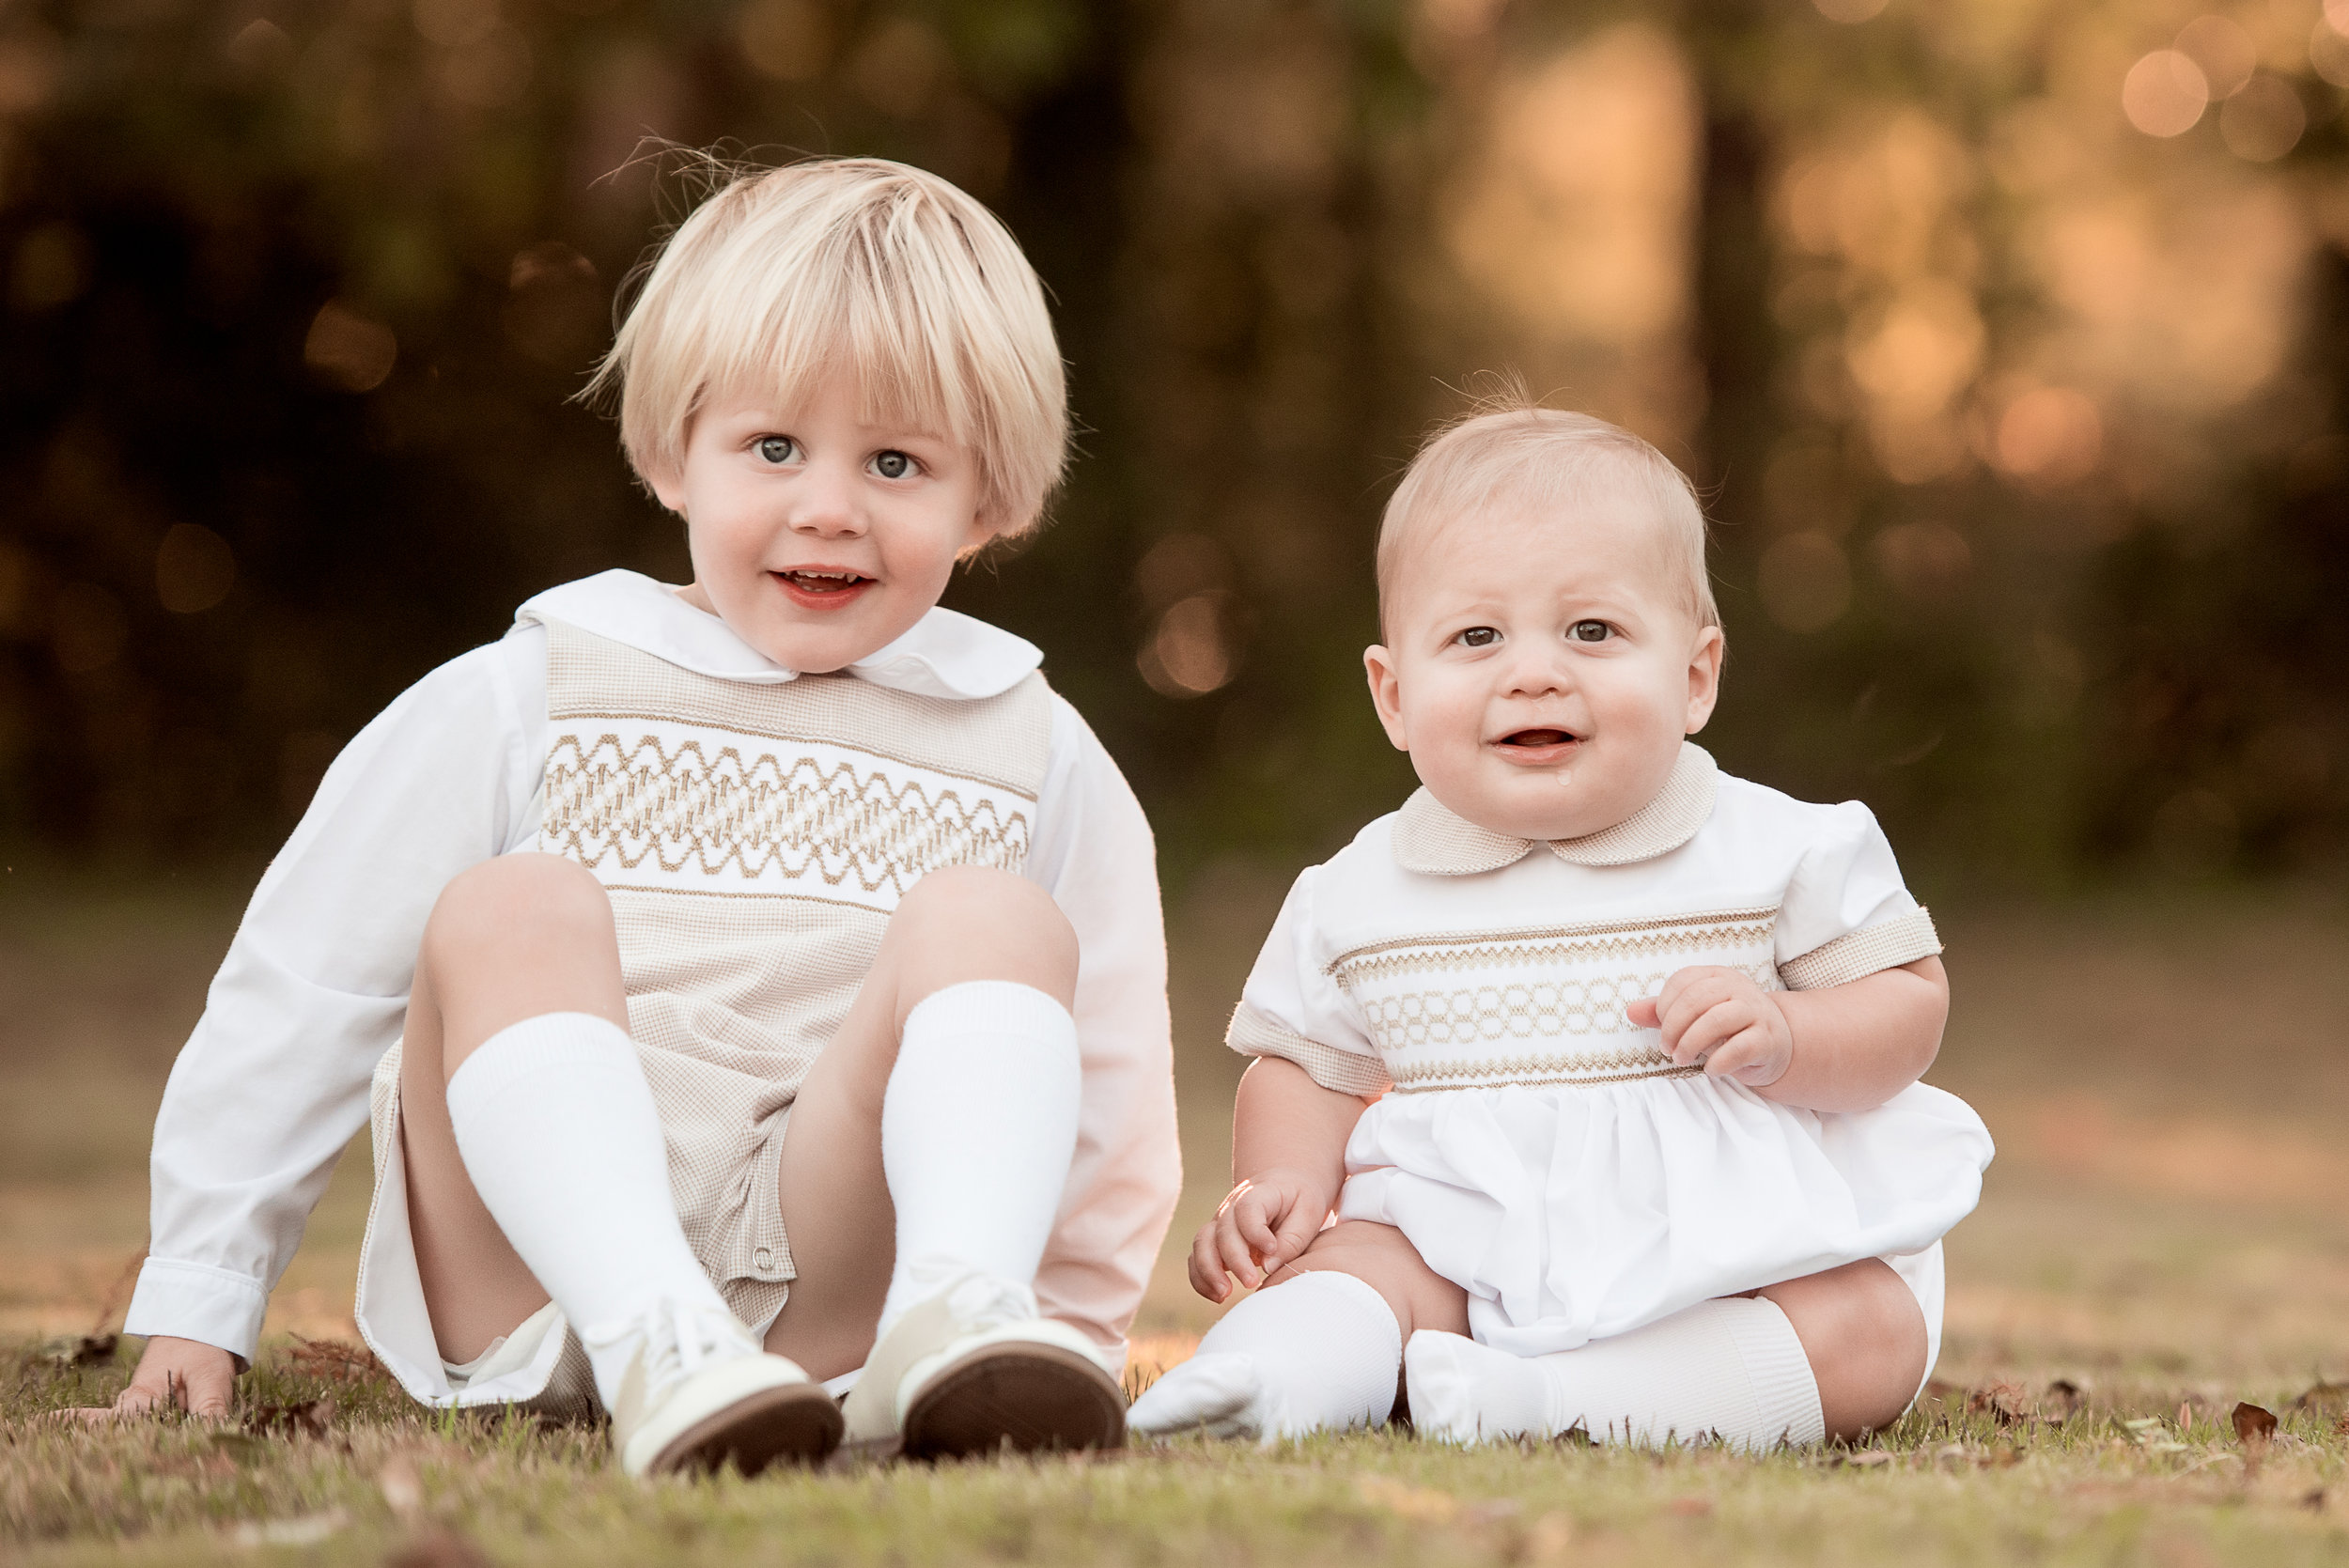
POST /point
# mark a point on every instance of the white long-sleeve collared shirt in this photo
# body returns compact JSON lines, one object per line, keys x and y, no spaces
{"x":273,"y":1082}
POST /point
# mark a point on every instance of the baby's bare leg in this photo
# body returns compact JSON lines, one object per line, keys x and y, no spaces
{"x":1384,"y":1259}
{"x":1865,"y":1338}
{"x":512,"y":938}
{"x":958,"y":925}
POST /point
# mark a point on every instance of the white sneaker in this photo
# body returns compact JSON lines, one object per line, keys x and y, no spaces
{"x":700,"y":1393}
{"x":975,"y":1369}
{"x":1219,"y":1395}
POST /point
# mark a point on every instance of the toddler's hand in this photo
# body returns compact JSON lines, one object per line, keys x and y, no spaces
{"x":1722,"y":1019}
{"x":174,"y":1373}
{"x":1265,"y":1221}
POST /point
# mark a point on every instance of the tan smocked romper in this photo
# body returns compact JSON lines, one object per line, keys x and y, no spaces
{"x":754,"y":840}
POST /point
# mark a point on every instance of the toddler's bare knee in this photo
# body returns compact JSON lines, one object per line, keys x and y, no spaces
{"x":1871,"y":1327}
{"x":980,"y":911}
{"x":487,"y":908}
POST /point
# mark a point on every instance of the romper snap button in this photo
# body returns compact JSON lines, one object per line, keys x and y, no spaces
{"x":764,"y":1257}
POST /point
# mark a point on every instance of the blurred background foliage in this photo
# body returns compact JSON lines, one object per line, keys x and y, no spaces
{"x":2006,"y":336}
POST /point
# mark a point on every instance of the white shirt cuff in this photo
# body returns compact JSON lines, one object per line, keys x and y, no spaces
{"x":196,"y":1301}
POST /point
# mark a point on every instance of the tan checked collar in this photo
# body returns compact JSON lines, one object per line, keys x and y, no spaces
{"x":1429,"y":837}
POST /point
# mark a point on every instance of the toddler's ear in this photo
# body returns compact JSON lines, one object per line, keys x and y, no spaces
{"x":1386,"y":693}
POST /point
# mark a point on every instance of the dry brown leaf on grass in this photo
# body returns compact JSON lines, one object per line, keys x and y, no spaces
{"x":312,"y":1418}
{"x":2005,"y":1402}
{"x":338,"y":1360}
{"x":2253,"y":1425}
{"x":2325,"y":1399}
{"x":2062,"y":1399}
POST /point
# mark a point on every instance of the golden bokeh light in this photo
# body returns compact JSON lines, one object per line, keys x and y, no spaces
{"x":2164,"y":93}
{"x":2265,"y":120}
{"x":2226,"y":54}
{"x":1925,"y":560}
{"x":194,"y":570}
{"x":1190,"y":652}
{"x":2329,"y":54}
{"x":791,"y":40}
{"x":2049,"y":435}
{"x":349,"y":350}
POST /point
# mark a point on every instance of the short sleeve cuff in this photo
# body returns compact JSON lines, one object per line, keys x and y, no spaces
{"x":1886,"y":945}
{"x":195,"y":1301}
{"x":1253,"y":1034}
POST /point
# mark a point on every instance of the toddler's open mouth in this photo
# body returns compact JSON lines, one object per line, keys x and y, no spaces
{"x":822,"y":588}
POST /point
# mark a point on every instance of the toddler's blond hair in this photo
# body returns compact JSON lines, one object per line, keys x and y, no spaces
{"x":1510,"y":450}
{"x":859,"y":266}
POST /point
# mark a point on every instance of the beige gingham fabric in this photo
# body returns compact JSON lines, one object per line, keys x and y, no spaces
{"x":755,"y":839}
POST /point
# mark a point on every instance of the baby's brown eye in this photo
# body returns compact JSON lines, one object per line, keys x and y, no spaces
{"x":1589,"y":631}
{"x":1479,"y":637}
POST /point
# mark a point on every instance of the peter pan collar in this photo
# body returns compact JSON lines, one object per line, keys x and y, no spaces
{"x":1429,"y":837}
{"x":944,"y":655}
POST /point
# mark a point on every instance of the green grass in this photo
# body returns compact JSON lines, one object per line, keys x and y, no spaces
{"x":2105,"y":1483}
{"x":2167,"y":1225}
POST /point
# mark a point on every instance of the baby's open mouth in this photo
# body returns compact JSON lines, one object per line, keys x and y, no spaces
{"x":1535,"y":740}
{"x":823,"y":582}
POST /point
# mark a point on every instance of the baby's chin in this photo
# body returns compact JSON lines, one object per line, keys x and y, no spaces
{"x":1528,"y":805}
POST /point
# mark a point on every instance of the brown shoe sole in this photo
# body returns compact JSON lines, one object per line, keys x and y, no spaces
{"x":1023,"y":1397}
{"x":797,"y":1425}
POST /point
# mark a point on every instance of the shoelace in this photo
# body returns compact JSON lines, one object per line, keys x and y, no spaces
{"x":982,"y":1301}
{"x":679,"y":1336}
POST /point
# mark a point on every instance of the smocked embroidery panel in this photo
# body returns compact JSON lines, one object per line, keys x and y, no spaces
{"x":685,"y":808}
{"x":1542,"y":1006}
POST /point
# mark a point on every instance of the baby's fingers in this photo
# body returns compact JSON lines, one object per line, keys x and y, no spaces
{"x":1206,"y":1267}
{"x":1239,"y":1258}
{"x":1642,"y":1013}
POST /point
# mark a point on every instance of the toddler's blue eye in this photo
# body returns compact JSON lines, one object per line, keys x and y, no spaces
{"x":892,"y":465}
{"x":777,"y":449}
{"x":1479,"y":637}
{"x":1590,"y":631}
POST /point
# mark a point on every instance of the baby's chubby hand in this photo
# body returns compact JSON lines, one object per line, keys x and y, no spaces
{"x":1267,"y":1220}
{"x":1719,"y":1019}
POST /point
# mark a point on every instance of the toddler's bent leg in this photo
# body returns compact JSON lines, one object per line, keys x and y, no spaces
{"x":956,"y":1081}
{"x":1318,"y":1350}
{"x":545,"y":1104}
{"x":981,"y":1121}
{"x":1831,"y":1355}
{"x":1865,"y":1337}
{"x":513,"y":939}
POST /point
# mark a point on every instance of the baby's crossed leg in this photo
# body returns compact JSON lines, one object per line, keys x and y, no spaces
{"x":1834,"y":1354}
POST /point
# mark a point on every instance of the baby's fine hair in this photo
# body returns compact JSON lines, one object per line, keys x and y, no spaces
{"x":856,"y":268}
{"x":1508,"y":448}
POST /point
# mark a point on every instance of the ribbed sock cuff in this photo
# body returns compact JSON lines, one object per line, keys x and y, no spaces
{"x":992,"y":1007}
{"x":551,"y":1042}
{"x":1785,"y":1394}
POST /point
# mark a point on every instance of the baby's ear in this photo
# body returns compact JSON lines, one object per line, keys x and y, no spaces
{"x":1705,"y":676}
{"x":1386,"y":693}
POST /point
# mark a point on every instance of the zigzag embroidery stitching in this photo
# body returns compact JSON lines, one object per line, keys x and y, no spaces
{"x":1549,"y":1082}
{"x":610,"y":799}
{"x":1638,"y":942}
{"x":1553,"y":933}
{"x":1575,"y":1067}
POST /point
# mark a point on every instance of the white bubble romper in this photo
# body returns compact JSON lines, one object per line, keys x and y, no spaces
{"x":1537,"y":1148}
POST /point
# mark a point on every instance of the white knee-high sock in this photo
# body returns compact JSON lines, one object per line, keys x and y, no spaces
{"x":1730,"y":1368}
{"x":1317,"y":1353}
{"x":978,"y":1126}
{"x":561,"y":1139}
